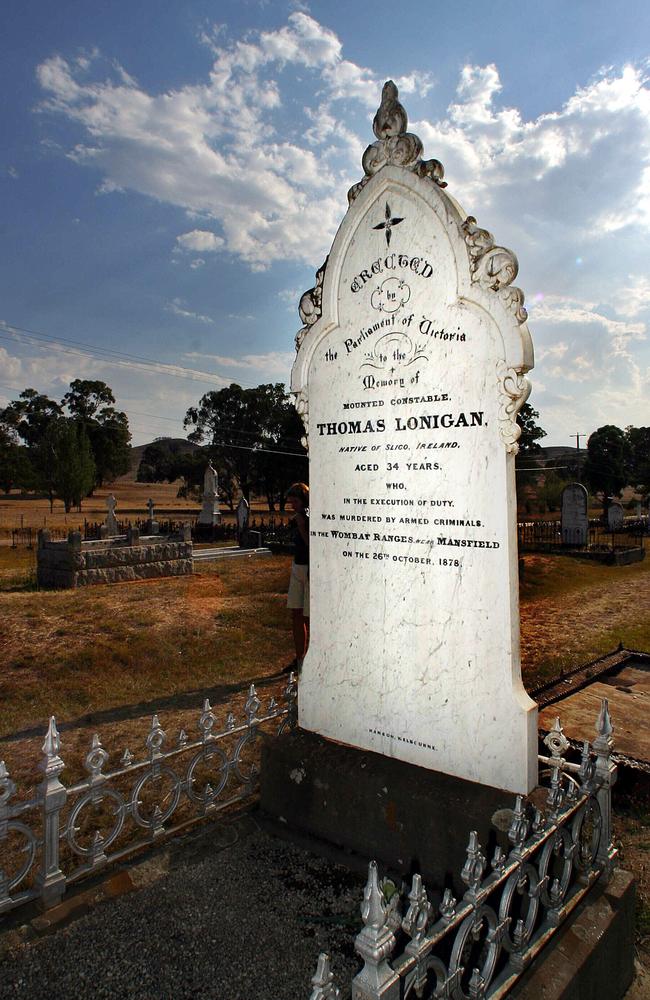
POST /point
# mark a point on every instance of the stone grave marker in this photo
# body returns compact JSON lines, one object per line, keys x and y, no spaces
{"x":210,"y":508}
{"x":574,"y":518}
{"x":409,"y":375}
{"x":615,"y":517}
{"x":242,"y":514}
{"x":111,"y":520}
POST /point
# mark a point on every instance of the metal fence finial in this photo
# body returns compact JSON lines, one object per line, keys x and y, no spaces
{"x":375,"y":943}
{"x":323,"y":980}
{"x":474,"y":867}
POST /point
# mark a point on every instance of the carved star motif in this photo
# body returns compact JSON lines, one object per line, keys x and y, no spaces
{"x":388,"y":223}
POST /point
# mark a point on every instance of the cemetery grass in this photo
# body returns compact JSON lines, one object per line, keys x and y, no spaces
{"x":71,"y":653}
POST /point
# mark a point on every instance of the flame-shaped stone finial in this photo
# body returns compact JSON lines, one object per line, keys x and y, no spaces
{"x":391,"y":119}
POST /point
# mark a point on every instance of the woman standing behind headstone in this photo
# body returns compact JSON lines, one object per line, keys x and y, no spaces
{"x":298,"y":596}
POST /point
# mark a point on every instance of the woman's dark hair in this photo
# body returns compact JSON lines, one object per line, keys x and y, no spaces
{"x":301,"y":491}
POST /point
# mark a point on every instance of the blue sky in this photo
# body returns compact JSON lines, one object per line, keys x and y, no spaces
{"x":172,"y":175}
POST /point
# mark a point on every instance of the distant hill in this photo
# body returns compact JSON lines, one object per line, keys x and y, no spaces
{"x":137,"y":451}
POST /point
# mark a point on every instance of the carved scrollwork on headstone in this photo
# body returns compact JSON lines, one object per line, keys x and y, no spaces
{"x":394,"y":144}
{"x":494,"y":267}
{"x":302,"y":406}
{"x":311,"y":305}
{"x":514,"y":390}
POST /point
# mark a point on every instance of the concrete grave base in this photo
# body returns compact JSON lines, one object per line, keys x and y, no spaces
{"x":340,"y":801}
{"x":404,"y":816}
{"x":592,"y":955}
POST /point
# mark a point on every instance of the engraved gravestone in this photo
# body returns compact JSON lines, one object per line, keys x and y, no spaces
{"x":574,"y":517}
{"x":409,"y":376}
{"x":615,"y":518}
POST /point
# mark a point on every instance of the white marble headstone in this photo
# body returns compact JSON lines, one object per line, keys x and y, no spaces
{"x":615,"y":516}
{"x":409,"y":376}
{"x":574,"y":515}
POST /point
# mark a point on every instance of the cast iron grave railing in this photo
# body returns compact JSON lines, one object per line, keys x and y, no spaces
{"x":478,"y":946}
{"x":62,"y":833}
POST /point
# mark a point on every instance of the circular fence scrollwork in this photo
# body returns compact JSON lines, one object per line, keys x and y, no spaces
{"x":477,"y":946}
{"x":247,"y":773}
{"x":554,"y":887}
{"x":29,"y":848}
{"x":94,"y":798}
{"x":586,"y":831}
{"x":217,"y":762}
{"x":523,"y":883}
{"x":160,"y":811}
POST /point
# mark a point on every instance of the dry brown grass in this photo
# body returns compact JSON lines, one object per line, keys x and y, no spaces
{"x":574,"y":610}
{"x":77,"y":652}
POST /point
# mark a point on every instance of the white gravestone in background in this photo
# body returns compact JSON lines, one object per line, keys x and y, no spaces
{"x":574,"y":517}
{"x":615,"y":517}
{"x":409,"y":376}
{"x":210,"y":509}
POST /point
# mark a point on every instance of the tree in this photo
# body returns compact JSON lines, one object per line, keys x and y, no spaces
{"x":90,"y":402}
{"x":639,"y":460}
{"x":29,"y":416}
{"x":15,"y":467}
{"x":110,"y":440}
{"x":86,"y":396}
{"x":606,"y":468}
{"x":64,"y":462}
{"x":527,"y":463}
{"x":531,"y":432}
{"x":245,"y":429}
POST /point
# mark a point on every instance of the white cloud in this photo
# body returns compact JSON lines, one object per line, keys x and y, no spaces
{"x":262,"y":150}
{"x":199,"y":240}
{"x":177,"y":307}
{"x":197,"y":263}
{"x":276,"y":363}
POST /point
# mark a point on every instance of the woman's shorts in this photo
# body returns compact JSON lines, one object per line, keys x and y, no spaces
{"x":298,"y":596}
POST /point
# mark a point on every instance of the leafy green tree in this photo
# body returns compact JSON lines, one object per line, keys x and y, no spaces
{"x":246,"y":429}
{"x":639,"y":459}
{"x":528,"y":462}
{"x":86,"y":397}
{"x":64,"y":462}
{"x":606,"y":468}
{"x":15,"y":467}
{"x":531,"y":432}
{"x":29,"y":416}
{"x":91,"y":403}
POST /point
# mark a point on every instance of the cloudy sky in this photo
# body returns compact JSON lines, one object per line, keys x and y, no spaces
{"x":171,"y":175}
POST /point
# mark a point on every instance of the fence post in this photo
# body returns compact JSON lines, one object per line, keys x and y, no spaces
{"x":605,"y":776}
{"x":50,"y":880}
{"x":375,"y":943}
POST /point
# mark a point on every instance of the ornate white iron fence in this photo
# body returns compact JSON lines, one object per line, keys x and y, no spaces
{"x":166,"y":791}
{"x":479,"y":946}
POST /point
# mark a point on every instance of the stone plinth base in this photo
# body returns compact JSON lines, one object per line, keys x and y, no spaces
{"x":408,"y":818}
{"x":592,"y":956}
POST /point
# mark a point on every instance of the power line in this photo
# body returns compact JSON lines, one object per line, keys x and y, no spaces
{"x":108,"y":356}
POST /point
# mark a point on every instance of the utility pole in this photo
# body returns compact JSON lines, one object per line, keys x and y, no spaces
{"x":577,"y":437}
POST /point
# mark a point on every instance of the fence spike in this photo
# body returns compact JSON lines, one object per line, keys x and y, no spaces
{"x":126,"y":758}
{"x":7,"y":786}
{"x":52,"y":743}
{"x":96,"y":757}
{"x":448,"y":906}
{"x":604,"y":725}
{"x":323,"y":980}
{"x":373,"y":907}
{"x":556,"y":741}
{"x":252,"y":705}
{"x":474,"y":867}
